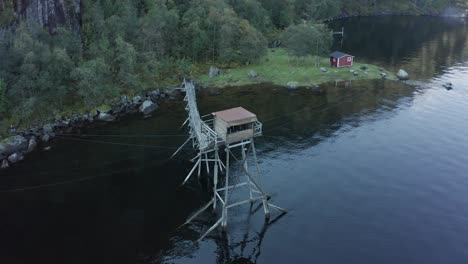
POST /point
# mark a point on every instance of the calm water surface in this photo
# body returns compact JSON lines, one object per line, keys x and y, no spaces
{"x":371,"y":171}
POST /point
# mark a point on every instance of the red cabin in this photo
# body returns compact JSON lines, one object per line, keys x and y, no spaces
{"x":340,"y":59}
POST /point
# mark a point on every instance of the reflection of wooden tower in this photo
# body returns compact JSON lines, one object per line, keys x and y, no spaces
{"x":235,"y":130}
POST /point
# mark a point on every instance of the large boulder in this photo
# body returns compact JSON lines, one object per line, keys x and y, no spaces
{"x":119,"y":109}
{"x":45,"y":138}
{"x":213,"y":72}
{"x":105,"y":117}
{"x":147,"y":107}
{"x":48,"y":128}
{"x":292,"y":85}
{"x":137,"y":100}
{"x":402,"y":75}
{"x":11,"y":145}
{"x":15,"y":157}
{"x":252,"y":74}
{"x":32,"y":144}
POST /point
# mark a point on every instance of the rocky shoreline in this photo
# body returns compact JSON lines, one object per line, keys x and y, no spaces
{"x":14,"y":148}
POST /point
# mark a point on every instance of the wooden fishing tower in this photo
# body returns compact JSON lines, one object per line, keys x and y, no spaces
{"x":234,"y":131}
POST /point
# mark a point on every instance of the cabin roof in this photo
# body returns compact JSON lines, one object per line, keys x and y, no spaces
{"x":339,"y":54}
{"x":234,"y":115}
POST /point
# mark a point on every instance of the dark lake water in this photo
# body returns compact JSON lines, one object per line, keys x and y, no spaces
{"x":371,"y":171}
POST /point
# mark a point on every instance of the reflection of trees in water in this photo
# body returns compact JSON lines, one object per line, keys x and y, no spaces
{"x":421,"y":44}
{"x":303,"y":117}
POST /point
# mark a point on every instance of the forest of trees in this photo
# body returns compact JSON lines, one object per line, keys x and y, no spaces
{"x":125,"y":46}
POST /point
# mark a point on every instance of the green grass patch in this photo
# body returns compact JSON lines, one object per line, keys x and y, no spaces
{"x":279,"y":68}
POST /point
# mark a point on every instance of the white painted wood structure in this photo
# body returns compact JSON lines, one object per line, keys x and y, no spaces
{"x":234,"y":131}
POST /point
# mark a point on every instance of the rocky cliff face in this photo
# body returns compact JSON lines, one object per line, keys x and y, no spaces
{"x":47,"y":13}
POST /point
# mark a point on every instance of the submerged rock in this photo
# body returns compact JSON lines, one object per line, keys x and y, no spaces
{"x":148,"y":107}
{"x":448,"y":86}
{"x":402,"y":75}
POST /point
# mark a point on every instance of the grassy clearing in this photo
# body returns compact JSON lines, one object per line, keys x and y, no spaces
{"x":278,"y":68}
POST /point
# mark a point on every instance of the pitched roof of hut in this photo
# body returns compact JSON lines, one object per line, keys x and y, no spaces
{"x":235,"y":115}
{"x":339,"y":54}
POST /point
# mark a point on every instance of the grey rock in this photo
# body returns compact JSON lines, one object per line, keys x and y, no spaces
{"x":137,"y":100}
{"x":292,"y":85}
{"x":213,"y":72}
{"x":86,"y":118}
{"x":5,"y":164}
{"x":154,"y":95}
{"x":32,"y":144}
{"x":148,"y":107}
{"x":47,"y":148}
{"x":12,"y":144}
{"x":355,"y":73}
{"x":124,"y":99}
{"x":173,"y":94}
{"x":45,"y":138}
{"x":322,"y":69}
{"x":48,"y":128}
{"x":366,"y":72}
{"x":252,"y":74}
{"x":106,"y":117}
{"x":119,"y":109}
{"x":15,"y":157}
{"x":402,"y":75}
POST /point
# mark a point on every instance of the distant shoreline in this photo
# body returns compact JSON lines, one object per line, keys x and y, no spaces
{"x":328,"y":20}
